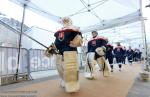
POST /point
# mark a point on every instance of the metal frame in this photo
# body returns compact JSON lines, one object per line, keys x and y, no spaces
{"x":144,"y":35}
{"x":11,"y":49}
{"x":20,"y":39}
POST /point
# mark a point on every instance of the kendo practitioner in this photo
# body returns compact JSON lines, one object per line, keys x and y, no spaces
{"x":130,"y":53}
{"x":139,"y":53}
{"x":135,"y":55}
{"x":96,"y":53}
{"x":66,"y":42}
{"x":119,"y":53}
{"x":109,"y":55}
{"x":124,"y":55}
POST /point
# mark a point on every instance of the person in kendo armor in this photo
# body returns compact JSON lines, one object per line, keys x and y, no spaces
{"x":96,"y":53}
{"x":64,"y":38}
{"x":119,"y":54}
{"x":134,"y":54}
{"x":130,"y":53}
{"x":110,"y":55}
{"x":66,"y":42}
{"x":124,"y":55}
{"x":139,"y":53}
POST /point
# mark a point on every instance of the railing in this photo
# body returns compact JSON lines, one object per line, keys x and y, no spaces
{"x":8,"y":61}
{"x":32,"y":60}
{"x":39,"y":62}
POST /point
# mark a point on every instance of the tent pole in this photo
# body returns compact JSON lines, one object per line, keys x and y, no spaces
{"x":144,"y":37}
{"x":20,"y":39}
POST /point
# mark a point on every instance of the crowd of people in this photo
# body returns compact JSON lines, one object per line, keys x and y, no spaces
{"x":99,"y":51}
{"x":118,"y":53}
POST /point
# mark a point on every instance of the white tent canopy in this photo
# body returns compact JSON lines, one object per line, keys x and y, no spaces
{"x":103,"y":15}
{"x":83,"y":12}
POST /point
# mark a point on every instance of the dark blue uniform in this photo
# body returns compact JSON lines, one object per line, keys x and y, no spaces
{"x":63,"y":38}
{"x":118,"y":51}
{"x":95,"y":43}
{"x":124,"y":56}
{"x":130,"y":53}
{"x":109,"y":54}
{"x":139,"y":54}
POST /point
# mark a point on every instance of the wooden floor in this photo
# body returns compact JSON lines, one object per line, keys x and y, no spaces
{"x":117,"y":85}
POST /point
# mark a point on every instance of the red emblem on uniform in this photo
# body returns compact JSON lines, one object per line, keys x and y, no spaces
{"x":61,"y":35}
{"x":94,"y":43}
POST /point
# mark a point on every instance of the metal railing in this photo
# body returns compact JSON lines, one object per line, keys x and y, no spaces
{"x":39,"y":62}
{"x":32,"y":60}
{"x":8,"y":61}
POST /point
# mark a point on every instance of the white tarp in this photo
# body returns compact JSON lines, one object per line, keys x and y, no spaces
{"x":99,"y":9}
{"x":78,"y":10}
